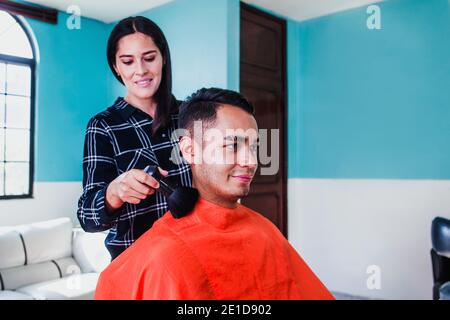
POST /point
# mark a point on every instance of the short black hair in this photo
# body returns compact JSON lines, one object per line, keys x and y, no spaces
{"x":203,"y":104}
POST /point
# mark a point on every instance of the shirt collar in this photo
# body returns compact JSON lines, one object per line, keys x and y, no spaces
{"x":124,"y":108}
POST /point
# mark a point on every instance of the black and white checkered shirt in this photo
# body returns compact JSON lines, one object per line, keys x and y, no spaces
{"x":117,"y":140}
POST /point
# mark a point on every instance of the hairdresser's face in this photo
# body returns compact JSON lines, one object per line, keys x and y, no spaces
{"x":139,"y":63}
{"x":229,"y":157}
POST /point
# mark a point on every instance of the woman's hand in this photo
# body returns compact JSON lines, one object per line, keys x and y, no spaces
{"x":132,"y":186}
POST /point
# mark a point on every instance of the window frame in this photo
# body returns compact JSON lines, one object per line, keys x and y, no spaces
{"x":31,"y":62}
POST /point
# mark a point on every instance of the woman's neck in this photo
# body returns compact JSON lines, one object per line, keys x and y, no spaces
{"x":146,"y":105}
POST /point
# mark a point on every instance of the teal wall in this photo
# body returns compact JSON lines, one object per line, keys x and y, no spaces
{"x":71,"y":86}
{"x":361,"y":103}
{"x":233,"y":38}
{"x":371,"y":103}
{"x":203,"y":37}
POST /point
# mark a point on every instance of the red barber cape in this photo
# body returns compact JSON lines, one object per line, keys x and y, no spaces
{"x":212,"y":253}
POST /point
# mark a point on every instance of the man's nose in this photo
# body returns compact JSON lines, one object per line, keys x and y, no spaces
{"x":248,"y":157}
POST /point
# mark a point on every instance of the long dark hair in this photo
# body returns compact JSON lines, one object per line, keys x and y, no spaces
{"x":163,"y":96}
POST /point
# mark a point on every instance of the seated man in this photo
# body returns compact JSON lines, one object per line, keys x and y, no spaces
{"x":221,"y":249}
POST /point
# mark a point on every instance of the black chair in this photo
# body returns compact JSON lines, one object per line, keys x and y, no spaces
{"x":440,"y":258}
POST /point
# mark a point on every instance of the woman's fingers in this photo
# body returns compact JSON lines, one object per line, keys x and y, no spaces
{"x":147,"y":179}
{"x":125,"y":191}
{"x":132,"y":200}
{"x":163,"y":172}
{"x":130,"y":186}
{"x":136,"y":185}
{"x":140,"y":187}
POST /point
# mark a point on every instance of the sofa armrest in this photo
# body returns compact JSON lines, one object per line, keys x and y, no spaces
{"x":89,"y":251}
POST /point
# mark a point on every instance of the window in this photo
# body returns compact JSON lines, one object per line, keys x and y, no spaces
{"x":17,"y":67}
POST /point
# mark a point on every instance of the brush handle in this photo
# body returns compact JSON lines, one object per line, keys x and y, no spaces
{"x":165,"y":187}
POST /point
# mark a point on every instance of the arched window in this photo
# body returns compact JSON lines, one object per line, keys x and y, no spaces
{"x":17,"y":69}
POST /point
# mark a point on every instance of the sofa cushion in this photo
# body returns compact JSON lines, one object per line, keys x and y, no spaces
{"x":47,"y":240}
{"x":12,"y":253}
{"x":75,"y":287}
{"x":16,"y":277}
{"x":90,"y":251}
{"x":68,"y":266}
{"x":13,"y":295}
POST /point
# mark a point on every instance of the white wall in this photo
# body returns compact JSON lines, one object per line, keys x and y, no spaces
{"x":51,"y":200}
{"x":341,"y":227}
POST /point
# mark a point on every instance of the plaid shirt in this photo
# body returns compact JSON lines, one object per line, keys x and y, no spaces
{"x":117,"y":140}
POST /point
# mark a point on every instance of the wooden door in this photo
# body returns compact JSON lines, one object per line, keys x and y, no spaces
{"x":263,"y":83}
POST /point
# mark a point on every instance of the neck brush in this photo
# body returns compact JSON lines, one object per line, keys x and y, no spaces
{"x":180,"y":200}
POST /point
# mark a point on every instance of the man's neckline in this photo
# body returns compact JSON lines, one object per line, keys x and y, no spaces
{"x":216,"y":215}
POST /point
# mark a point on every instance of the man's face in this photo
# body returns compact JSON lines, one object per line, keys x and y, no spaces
{"x":228,"y":157}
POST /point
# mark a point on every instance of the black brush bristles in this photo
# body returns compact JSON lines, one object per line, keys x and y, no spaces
{"x":180,"y":200}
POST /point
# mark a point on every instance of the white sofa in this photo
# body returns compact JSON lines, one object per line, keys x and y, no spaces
{"x":50,"y":260}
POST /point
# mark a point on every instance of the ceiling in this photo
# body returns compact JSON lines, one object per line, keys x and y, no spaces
{"x":104,"y":10}
{"x":113,"y":10}
{"x":308,"y":9}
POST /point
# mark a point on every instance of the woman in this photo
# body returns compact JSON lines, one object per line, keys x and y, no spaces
{"x":134,"y":132}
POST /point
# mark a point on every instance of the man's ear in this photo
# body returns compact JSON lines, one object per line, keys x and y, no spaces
{"x":187,"y":149}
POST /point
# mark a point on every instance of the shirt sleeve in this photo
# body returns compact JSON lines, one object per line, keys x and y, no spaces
{"x":99,"y":169}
